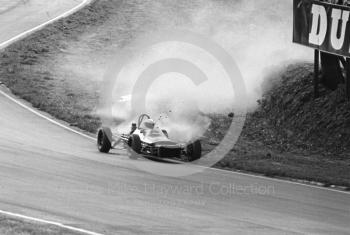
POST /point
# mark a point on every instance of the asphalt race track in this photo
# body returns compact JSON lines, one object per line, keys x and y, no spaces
{"x":51,"y":173}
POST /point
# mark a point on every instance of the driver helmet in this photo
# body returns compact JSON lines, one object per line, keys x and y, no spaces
{"x":148,"y":124}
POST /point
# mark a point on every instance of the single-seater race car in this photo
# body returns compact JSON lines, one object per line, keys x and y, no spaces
{"x":148,"y":139}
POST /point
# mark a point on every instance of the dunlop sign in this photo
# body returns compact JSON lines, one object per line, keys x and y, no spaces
{"x":322,"y":26}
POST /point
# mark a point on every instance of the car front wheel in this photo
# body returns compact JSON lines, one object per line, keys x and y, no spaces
{"x":103,"y":143}
{"x":135,"y":143}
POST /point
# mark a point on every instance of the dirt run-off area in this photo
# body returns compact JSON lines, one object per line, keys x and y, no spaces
{"x":287,"y":132}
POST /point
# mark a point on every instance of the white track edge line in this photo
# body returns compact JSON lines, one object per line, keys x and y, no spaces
{"x":45,"y":117}
{"x":267,"y":178}
{"x":282,"y":181}
{"x":91,"y":138}
{"x":49,"y":222}
{"x":26,"y":33}
{"x":210,"y":168}
{"x":3,"y":45}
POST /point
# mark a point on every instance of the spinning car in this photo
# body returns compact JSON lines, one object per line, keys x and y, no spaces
{"x":148,"y":139}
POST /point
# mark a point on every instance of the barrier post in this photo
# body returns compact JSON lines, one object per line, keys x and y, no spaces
{"x":316,"y":73}
{"x":347,"y":78}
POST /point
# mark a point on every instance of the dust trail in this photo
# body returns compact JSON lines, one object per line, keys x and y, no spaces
{"x":257,"y":34}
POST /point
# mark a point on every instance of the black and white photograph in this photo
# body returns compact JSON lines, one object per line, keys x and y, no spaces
{"x":174,"y":117}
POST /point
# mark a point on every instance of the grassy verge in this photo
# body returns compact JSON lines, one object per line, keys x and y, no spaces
{"x":55,"y":69}
{"x":27,"y":68}
{"x":9,"y":226}
{"x":261,"y":150}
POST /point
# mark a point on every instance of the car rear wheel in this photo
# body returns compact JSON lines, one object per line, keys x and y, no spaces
{"x":103,"y":143}
{"x":135,"y":143}
{"x":193,"y":151}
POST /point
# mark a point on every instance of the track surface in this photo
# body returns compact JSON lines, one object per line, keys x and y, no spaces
{"x":51,"y":173}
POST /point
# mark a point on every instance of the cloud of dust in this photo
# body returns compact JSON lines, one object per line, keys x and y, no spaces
{"x":256,"y":33}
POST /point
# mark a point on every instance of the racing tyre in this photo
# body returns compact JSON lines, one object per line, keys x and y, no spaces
{"x":193,"y":151}
{"x":136,"y":143}
{"x":103,"y":143}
